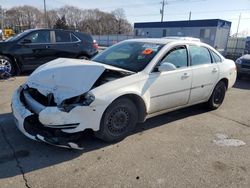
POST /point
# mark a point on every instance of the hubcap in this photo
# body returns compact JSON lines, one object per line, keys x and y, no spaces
{"x":118,"y":121}
{"x":6,"y":64}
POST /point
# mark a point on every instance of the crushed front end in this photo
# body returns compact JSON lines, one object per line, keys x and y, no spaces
{"x":30,"y":107}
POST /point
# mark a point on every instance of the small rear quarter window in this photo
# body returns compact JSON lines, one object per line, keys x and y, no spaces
{"x":216,"y":57}
{"x":73,"y":38}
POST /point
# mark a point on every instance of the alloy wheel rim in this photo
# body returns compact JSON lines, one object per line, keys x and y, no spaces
{"x":84,"y":58}
{"x":6,"y":64}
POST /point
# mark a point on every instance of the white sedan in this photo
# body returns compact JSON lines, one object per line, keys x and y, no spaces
{"x":127,"y":83}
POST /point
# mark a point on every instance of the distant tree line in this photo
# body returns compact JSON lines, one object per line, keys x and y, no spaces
{"x":91,"y":21}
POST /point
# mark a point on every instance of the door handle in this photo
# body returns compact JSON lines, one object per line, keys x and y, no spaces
{"x":215,"y":70}
{"x":47,"y":46}
{"x":185,"y":76}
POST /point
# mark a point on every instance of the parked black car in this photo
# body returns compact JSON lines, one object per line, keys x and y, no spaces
{"x":243,"y":66}
{"x":30,"y":49}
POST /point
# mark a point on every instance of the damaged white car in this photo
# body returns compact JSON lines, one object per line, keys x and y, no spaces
{"x":128,"y":83}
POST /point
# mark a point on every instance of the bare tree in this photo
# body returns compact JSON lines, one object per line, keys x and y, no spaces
{"x":26,"y":17}
{"x":122,"y":24}
{"x":52,"y":17}
{"x":92,"y":21}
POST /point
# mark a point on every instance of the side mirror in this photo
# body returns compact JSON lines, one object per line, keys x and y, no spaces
{"x":166,"y":67}
{"x":26,"y":41}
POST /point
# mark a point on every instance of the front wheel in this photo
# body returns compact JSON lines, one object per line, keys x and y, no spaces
{"x":118,"y":120}
{"x":217,"y":96}
{"x":8,"y":65}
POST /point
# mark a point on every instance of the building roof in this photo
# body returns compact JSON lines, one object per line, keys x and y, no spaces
{"x":187,"y":23}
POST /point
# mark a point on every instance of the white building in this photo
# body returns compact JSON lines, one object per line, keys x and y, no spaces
{"x":214,"y":31}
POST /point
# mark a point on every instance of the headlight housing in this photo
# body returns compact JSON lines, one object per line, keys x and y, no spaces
{"x":82,"y":100}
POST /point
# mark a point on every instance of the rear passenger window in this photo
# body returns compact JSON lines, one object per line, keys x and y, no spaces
{"x":62,"y":36}
{"x":199,"y":55}
{"x":216,"y":58}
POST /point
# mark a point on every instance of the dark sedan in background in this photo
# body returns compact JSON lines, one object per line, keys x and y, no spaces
{"x":243,"y":66}
{"x":32,"y":48}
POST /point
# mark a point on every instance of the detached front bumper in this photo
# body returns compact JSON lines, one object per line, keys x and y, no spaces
{"x":28,"y":123}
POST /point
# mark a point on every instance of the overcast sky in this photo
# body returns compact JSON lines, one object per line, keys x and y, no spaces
{"x":149,"y":10}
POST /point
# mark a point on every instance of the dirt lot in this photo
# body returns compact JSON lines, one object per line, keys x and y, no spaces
{"x":177,"y":149}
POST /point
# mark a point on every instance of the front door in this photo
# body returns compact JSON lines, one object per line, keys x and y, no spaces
{"x":171,"y":88}
{"x":34,"y":49}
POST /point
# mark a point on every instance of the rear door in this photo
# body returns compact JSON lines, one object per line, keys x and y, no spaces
{"x":34,"y":49}
{"x":205,"y":73}
{"x":66,"y":44}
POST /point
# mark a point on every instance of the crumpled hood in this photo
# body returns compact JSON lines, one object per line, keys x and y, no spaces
{"x":66,"y":78}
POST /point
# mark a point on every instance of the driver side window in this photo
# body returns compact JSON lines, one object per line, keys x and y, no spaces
{"x":39,"y":37}
{"x":177,"y":56}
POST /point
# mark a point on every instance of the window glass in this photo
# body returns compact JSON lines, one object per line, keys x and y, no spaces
{"x":216,"y":58}
{"x":39,"y":37}
{"x":74,"y":38}
{"x":131,"y":55}
{"x":177,"y":56}
{"x":199,"y":55}
{"x":62,"y":36}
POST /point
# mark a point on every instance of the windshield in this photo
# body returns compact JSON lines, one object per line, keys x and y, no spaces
{"x":131,"y":55}
{"x":18,"y":36}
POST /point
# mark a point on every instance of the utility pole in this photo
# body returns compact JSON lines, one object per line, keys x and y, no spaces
{"x":237,"y":33}
{"x":45,"y":14}
{"x":190,"y":15}
{"x":2,"y":20}
{"x":162,"y":9}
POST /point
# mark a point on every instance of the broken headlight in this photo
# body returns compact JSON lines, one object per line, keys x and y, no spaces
{"x":82,"y":100}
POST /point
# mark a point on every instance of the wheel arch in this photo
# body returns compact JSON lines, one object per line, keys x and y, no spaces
{"x":225,"y":80}
{"x":83,"y":54}
{"x":139,"y":103}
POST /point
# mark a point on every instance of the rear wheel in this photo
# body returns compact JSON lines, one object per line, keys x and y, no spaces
{"x":83,"y":57}
{"x":217,"y":96}
{"x":118,"y":120}
{"x":8,"y":65}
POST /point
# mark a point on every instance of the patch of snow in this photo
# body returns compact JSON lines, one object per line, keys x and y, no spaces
{"x":224,"y":140}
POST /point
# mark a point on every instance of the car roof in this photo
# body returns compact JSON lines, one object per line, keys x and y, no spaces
{"x":46,"y":29}
{"x":177,"y":41}
{"x":166,"y":40}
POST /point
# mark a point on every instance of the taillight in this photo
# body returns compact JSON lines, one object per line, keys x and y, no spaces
{"x":95,"y":45}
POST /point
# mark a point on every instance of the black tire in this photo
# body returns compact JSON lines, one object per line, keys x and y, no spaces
{"x":8,"y":64}
{"x":217,"y":97}
{"x":118,"y":120}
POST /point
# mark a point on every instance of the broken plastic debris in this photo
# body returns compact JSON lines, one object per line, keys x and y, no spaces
{"x":224,"y":140}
